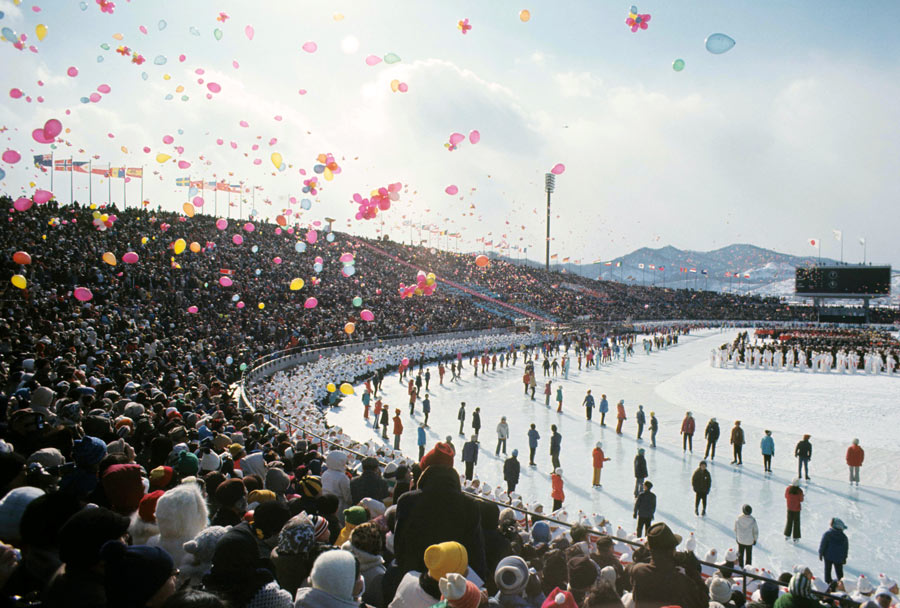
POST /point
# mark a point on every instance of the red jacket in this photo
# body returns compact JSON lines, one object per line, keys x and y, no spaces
{"x":557,"y":493}
{"x":855,"y":455}
{"x":599,"y":458}
{"x":620,"y":412}
{"x":688,"y":426}
{"x":398,"y":425}
{"x":793,"y":500}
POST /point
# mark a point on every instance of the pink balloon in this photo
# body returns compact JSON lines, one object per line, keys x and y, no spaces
{"x":249,"y":227}
{"x":310,"y":303}
{"x":310,"y":47}
{"x":404,"y":362}
{"x":558,"y":169}
{"x":403,"y":87}
{"x":225,"y":282}
{"x":11,"y":157}
{"x":39,"y":136}
{"x":302,"y":91}
{"x":214,"y":87}
{"x":72,"y":71}
{"x":130,"y":258}
{"x":83,"y":294}
{"x":455,"y":138}
{"x":104,"y":88}
{"x":183,"y":164}
{"x":198,"y":202}
{"x":167,"y":139}
{"x":373,"y":60}
{"x":451,"y":190}
{"x":15,"y":93}
{"x":52,"y":128}
{"x":22,"y":204}
{"x":276,"y":260}
{"x":240,"y":304}
{"x":221,"y":223}
{"x":193,"y":310}
{"x":95,"y":97}
{"x":42,"y":196}
{"x":237,"y":239}
{"x":249,"y":31}
{"x":312,"y":236}
{"x":366,"y":315}
{"x":143,"y":29}
{"x":474,"y":136}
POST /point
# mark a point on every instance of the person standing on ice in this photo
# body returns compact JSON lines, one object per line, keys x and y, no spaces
{"x":701,"y":481}
{"x":746,"y":533}
{"x":712,"y":437}
{"x":687,"y":432}
{"x":427,"y":379}
{"x":641,"y":420}
{"x":640,"y":471}
{"x":604,"y":407}
{"x":654,"y":428}
{"x":737,"y":441}
{"x":476,"y":422}
{"x":398,"y":428}
{"x":855,"y":456}
{"x":366,"y":399}
{"x":511,"y":472}
{"x":548,"y":391}
{"x":588,"y":404}
{"x":559,"y":399}
{"x":426,"y":408}
{"x":645,"y":508}
{"x":533,"y":437}
{"x":557,"y":493}
{"x":803,"y":452}
{"x":767,"y":447}
{"x":555,"y":446}
{"x":599,"y":458}
{"x":532,"y":384}
{"x":421,"y":439}
{"x":470,"y":456}
{"x":620,"y":416}
{"x":793,"y":495}
{"x":833,"y":549}
{"x":461,"y":416}
{"x":385,"y":418}
{"x":502,"y":435}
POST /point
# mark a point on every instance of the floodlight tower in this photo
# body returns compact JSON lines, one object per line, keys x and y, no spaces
{"x":549,"y":187}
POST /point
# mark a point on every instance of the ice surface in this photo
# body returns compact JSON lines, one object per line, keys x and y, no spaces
{"x":832,"y":409}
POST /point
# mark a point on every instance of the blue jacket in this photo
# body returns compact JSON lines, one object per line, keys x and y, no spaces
{"x":641,"y":418}
{"x":834,"y":546}
{"x":421,"y":436}
{"x":767,"y":445}
{"x":470,"y":452}
{"x":604,"y":406}
{"x":645,"y":505}
{"x":426,"y":405}
{"x":589,"y":401}
{"x":533,"y":437}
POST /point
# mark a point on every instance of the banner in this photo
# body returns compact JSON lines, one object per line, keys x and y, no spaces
{"x":103,"y":172}
{"x":137,"y":172}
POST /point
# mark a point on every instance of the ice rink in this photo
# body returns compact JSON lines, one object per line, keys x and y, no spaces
{"x":833,"y":409}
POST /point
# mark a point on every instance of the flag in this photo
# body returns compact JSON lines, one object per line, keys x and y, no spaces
{"x":651,"y":267}
{"x":662,"y":267}
{"x":814,"y":242}
{"x":210,"y":185}
{"x":43,"y":160}
{"x":235,"y":188}
{"x":183,"y":182}
{"x":103,"y":172}
{"x":837,"y":234}
{"x":862,"y":241}
{"x":62,"y":165}
{"x":746,"y":276}
{"x":565,"y":260}
{"x":553,"y":257}
{"x":694,"y":270}
{"x":117,"y":172}
{"x":618,"y":264}
{"x":607,"y":263}
{"x":641,"y":266}
{"x":704,"y":272}
{"x":197,"y":184}
{"x":137,"y":172}
{"x":490,"y":243}
{"x":728,"y":274}
{"x":80,"y":166}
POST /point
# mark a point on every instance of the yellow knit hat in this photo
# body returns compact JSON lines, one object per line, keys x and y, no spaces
{"x":444,"y":558}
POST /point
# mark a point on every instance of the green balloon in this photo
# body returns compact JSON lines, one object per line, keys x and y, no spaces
{"x":678,"y":65}
{"x":243,"y":367}
{"x":357,"y":301}
{"x":217,"y":33}
{"x":104,"y":46}
{"x":391,"y":58}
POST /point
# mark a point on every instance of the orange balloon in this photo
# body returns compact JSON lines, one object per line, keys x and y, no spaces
{"x":195,"y":247}
{"x":482,"y":260}
{"x":188,"y":209}
{"x":524,"y":15}
{"x":21,"y":257}
{"x":281,"y":220}
{"x":109,"y":258}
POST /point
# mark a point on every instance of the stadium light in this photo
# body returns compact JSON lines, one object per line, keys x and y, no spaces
{"x":549,"y":187}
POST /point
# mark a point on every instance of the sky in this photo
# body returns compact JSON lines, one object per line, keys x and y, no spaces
{"x":790,"y":135}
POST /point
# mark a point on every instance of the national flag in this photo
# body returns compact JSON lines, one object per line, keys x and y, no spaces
{"x":103,"y":172}
{"x":728,"y":274}
{"x":137,"y":172}
{"x":490,"y":243}
{"x":183,"y":182}
{"x":210,"y":185}
{"x":641,"y":266}
{"x":814,"y":242}
{"x":80,"y":166}
{"x":704,"y":272}
{"x":837,"y":234}
{"x":746,"y":276}
{"x":607,"y":263}
{"x":694,"y":270}
{"x":43,"y":160}
{"x":565,"y":260}
{"x":651,"y":267}
{"x":553,"y":257}
{"x":618,"y":264}
{"x":62,"y":165}
{"x":197,"y":184}
{"x":117,"y":172}
{"x":227,"y":271}
{"x":235,"y":188}
{"x":682,"y":269}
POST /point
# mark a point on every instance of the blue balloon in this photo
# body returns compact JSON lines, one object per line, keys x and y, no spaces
{"x":634,"y":9}
{"x":2,"y":173}
{"x":254,"y":249}
{"x":145,"y":75}
{"x":82,"y":6}
{"x":8,"y":34}
{"x":2,"y":14}
{"x":168,"y":97}
{"x":349,"y":271}
{"x":282,"y":167}
{"x":319,"y":168}
{"x":317,"y":267}
{"x":181,"y":131}
{"x":229,"y":360}
{"x":299,"y":246}
{"x":258,"y":272}
{"x":330,"y":237}
{"x":162,"y":24}
{"x":99,"y":58}
{"x":193,"y":191}
{"x":719,"y":43}
{"x":236,"y":297}
{"x":160,"y":60}
{"x":306,"y":203}
{"x":195,"y":31}
{"x":85,"y":100}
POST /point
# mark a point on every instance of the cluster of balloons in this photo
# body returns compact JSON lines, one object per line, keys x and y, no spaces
{"x":103,"y":221}
{"x":346,"y":388}
{"x":457,"y":138}
{"x":327,"y":166}
{"x":399,"y":87}
{"x":637,"y":21}
{"x":348,"y":261}
{"x":47,"y":134}
{"x":463,"y":26}
{"x":310,"y":186}
{"x":379,"y":199}
{"x":424,"y":286}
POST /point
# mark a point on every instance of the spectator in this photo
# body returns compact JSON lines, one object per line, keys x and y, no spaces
{"x":660,"y":582}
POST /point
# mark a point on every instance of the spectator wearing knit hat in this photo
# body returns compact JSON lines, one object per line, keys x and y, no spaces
{"x":294,"y":554}
{"x":661,"y":582}
{"x":231,"y":499}
{"x":181,"y":514}
{"x":335,"y":582}
{"x":370,"y":484}
{"x":419,"y":589}
{"x":366,"y":544}
{"x":137,"y":577}
{"x":124,"y":487}
{"x":240,"y":576}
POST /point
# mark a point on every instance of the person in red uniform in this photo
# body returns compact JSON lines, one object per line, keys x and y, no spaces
{"x":855,"y":456}
{"x":620,"y":416}
{"x":599,"y":459}
{"x":687,"y":432}
{"x":557,"y":493}
{"x":398,"y":429}
{"x":793,"y":495}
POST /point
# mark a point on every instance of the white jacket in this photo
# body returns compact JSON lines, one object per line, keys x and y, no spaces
{"x":745,"y":530}
{"x":502,"y":431}
{"x":335,"y":480}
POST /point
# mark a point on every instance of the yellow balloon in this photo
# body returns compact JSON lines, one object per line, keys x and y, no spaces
{"x":188,"y":209}
{"x":297,"y":284}
{"x":195,"y":247}
{"x":109,"y":258}
{"x":144,"y":240}
{"x":327,"y":174}
{"x":161,"y":157}
{"x":346,"y":389}
{"x":395,"y":85}
{"x":96,"y":215}
{"x":331,"y":387}
{"x":180,"y":244}
{"x":19,"y":281}
{"x":104,"y":218}
{"x":349,"y":328}
{"x":276,"y":159}
{"x":524,"y":15}
{"x":40,"y":31}
{"x":261,"y":305}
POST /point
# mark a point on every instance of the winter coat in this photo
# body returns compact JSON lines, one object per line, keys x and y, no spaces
{"x":855,"y":456}
{"x":604,"y":406}
{"x":368,"y":485}
{"x":307,"y":597}
{"x":767,"y":446}
{"x":654,"y":423}
{"x":476,"y":421}
{"x":411,"y":595}
{"x":620,"y":412}
{"x":555,"y":443}
{"x":688,"y":426}
{"x":426,"y":405}
{"x":793,"y":499}
{"x":511,"y":470}
{"x":470,"y":452}
{"x":420,"y":436}
{"x":640,"y":467}
{"x":533,"y":437}
{"x":787,"y":600}
{"x":599,"y":458}
{"x":645,"y":504}
{"x":335,"y":481}
{"x":641,"y":418}
{"x":803,"y":450}
{"x":556,"y":481}
{"x":437,"y":511}
{"x":589,"y":402}
{"x":701,"y":481}
{"x":503,"y":431}
{"x":834,"y":546}
{"x":661,"y":583}
{"x":712,"y":431}
{"x":398,"y":425}
{"x":461,"y":415}
{"x":746,"y":531}
{"x":372,"y":569}
{"x":737,"y":436}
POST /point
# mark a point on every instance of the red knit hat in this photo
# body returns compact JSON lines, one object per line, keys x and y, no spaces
{"x":559,"y":599}
{"x":147,"y":508}
{"x":123,"y":487}
{"x":441,"y":455}
{"x":160,"y":478}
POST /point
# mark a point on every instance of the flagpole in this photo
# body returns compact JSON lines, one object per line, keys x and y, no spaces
{"x":216,"y":196}
{"x":52,"y":171}
{"x":141,"y":203}
{"x":124,"y":191}
{"x":842,"y":247}
{"x":864,"y":251}
{"x":71,"y":181}
{"x":109,"y":182}
{"x":90,"y":183}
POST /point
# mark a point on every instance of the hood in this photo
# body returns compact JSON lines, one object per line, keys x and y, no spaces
{"x":254,"y":464}
{"x":307,"y":597}
{"x":336,"y":461}
{"x":366,"y":560}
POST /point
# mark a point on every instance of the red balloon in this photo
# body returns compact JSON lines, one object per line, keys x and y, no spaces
{"x":21,"y":257}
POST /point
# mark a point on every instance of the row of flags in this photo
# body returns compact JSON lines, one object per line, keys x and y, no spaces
{"x":187,"y":182}
{"x":45,"y":162}
{"x":838,"y":236}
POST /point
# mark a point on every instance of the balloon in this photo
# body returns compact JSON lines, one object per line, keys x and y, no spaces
{"x":130,"y":258}
{"x":346,"y":388}
{"x":240,"y":304}
{"x":451,"y":190}
{"x":180,"y":244}
{"x":225,"y":281}
{"x":373,"y":60}
{"x":40,"y":31}
{"x":249,"y":31}
{"x":312,"y":236}
{"x":310,"y":47}
{"x":42,"y":196}
{"x":83,"y":294}
{"x":21,"y":257}
{"x":221,"y":223}
{"x":349,"y":328}
{"x":197,"y":201}
{"x":678,"y":65}
{"x":366,"y":315}
{"x":297,"y":284}
{"x":391,"y":58}
{"x":482,"y":260}
{"x":261,"y":305}
{"x":276,"y":260}
{"x":229,"y":360}
{"x":217,"y":33}
{"x":188,"y":209}
{"x":404,"y":362}
{"x":22,"y":204}
{"x":719,"y":43}
{"x":109,"y":258}
{"x":249,"y":227}
{"x":310,"y":303}
{"x":161,"y":157}
{"x":11,"y":157}
{"x":357,"y":301}
{"x":237,"y":239}
{"x":243,"y":366}
{"x":19,"y":281}
{"x":193,"y":310}
{"x":558,"y":169}
{"x":474,"y":137}
{"x":299,"y":246}
{"x":456,"y":138}
{"x":72,"y":71}
{"x":195,"y":247}
{"x":330,"y":387}
{"x":276,"y":159}
{"x":524,"y":15}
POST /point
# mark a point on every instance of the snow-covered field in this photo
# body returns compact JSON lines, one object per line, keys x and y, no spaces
{"x":832,"y":409}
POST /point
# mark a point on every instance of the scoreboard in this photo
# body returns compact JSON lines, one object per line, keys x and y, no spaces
{"x":843,"y":281}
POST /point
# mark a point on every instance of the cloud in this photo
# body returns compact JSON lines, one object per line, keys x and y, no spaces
{"x":577,"y":84}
